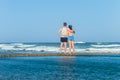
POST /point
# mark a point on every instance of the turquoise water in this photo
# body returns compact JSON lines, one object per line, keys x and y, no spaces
{"x":60,"y":68}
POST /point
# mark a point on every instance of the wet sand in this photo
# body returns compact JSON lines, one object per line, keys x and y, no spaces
{"x":56,"y":54}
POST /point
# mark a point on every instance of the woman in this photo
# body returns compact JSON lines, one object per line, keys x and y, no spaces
{"x":71,"y":33}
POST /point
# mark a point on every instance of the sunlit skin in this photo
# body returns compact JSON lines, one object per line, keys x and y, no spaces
{"x":71,"y":43}
{"x":63,"y":43}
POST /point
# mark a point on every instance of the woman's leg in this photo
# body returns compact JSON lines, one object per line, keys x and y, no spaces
{"x":69,"y":42}
{"x":73,"y":47}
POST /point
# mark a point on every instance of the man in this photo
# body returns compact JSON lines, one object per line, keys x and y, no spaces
{"x":63,"y":33}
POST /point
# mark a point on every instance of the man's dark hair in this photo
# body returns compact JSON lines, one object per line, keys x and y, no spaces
{"x":65,"y":24}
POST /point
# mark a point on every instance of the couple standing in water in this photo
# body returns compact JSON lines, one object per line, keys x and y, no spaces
{"x":66,"y":36}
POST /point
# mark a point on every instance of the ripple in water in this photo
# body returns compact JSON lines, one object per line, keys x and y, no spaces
{"x":60,"y":68}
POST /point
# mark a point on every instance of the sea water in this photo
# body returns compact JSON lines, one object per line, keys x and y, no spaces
{"x":94,"y":47}
{"x":60,"y":68}
{"x":105,"y":67}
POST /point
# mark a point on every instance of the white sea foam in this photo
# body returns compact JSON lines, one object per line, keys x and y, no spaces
{"x":81,"y":42}
{"x":22,"y":45}
{"x":28,"y":47}
{"x":16,"y":44}
{"x":13,"y":46}
{"x":43,"y":48}
{"x":103,"y":50}
{"x":6,"y":47}
{"x":111,"y":45}
{"x":113,"y":48}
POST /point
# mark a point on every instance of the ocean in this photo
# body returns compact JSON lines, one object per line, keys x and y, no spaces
{"x":80,"y":47}
{"x":60,"y":68}
{"x":105,"y":67}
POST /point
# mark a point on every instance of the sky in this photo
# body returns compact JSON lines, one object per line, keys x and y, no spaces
{"x":39,"y":20}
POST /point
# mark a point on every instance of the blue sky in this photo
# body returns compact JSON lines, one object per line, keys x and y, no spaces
{"x":39,"y":20}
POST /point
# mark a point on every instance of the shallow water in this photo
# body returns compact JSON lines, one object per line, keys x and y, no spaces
{"x":60,"y":68}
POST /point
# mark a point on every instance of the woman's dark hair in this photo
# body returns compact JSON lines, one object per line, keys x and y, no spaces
{"x":70,"y":27}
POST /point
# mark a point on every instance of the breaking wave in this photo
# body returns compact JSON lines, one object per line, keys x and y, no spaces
{"x":37,"y":47}
{"x":107,"y":45}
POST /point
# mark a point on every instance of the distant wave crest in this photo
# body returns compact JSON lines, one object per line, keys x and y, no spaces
{"x":111,"y":45}
{"x":81,"y":42}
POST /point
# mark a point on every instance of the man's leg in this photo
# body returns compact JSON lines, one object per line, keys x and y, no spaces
{"x":61,"y":44}
{"x":65,"y":47}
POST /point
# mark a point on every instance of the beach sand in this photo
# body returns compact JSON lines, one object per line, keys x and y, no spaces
{"x":57,"y":54}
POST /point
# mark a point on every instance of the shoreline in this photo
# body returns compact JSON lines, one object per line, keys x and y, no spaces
{"x":56,"y":54}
